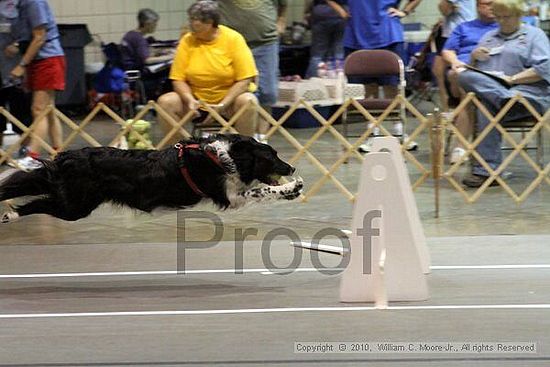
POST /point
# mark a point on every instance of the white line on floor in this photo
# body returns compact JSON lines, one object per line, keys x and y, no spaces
{"x":261,"y":271}
{"x":505,"y":267}
{"x":273,"y":310}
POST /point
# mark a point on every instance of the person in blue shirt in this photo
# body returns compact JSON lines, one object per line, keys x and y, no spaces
{"x":11,"y":94}
{"x":327,"y":19}
{"x":43,"y":63}
{"x":454,"y":12}
{"x":522,"y":53}
{"x":376,"y":24}
{"x":456,"y":52}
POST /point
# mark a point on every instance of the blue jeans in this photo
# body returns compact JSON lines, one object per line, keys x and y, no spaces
{"x":326,"y":42}
{"x":494,"y":96}
{"x":267,"y":62}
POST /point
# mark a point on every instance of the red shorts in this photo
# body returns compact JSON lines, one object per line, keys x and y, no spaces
{"x":47,"y":74}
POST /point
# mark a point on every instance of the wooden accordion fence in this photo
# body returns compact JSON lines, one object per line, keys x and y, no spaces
{"x":432,"y":126}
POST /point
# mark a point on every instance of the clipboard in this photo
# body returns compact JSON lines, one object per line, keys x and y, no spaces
{"x":490,"y":74}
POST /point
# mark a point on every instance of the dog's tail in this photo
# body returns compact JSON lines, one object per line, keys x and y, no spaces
{"x":36,"y":182}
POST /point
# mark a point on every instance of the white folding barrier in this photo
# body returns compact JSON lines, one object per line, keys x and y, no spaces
{"x":389,"y":256}
{"x":391,"y":145}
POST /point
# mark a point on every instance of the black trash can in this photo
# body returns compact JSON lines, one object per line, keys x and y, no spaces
{"x":73,"y":39}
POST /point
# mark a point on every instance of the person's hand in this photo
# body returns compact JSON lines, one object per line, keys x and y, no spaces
{"x":11,"y":50}
{"x":221,"y":108}
{"x":307,"y":19}
{"x":343,"y":14}
{"x":508,"y":79}
{"x":193,"y":105}
{"x":281,"y":26}
{"x":458,"y":66}
{"x":393,"y":12}
{"x":17,"y":72}
{"x":481,"y":54}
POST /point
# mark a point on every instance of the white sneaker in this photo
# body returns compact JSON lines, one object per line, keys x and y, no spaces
{"x":26,"y":164}
{"x":457,"y":154}
{"x":411,"y":145}
{"x":397,"y":129}
{"x":366,"y":146}
{"x":260,"y":138}
{"x":375,"y":130}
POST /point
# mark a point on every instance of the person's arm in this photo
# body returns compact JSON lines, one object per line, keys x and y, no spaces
{"x":186,"y":94}
{"x":446,"y":7}
{"x":479,"y":54}
{"x":308,"y":10}
{"x":338,"y":8}
{"x":12,"y":50}
{"x":158,"y":59}
{"x":450,"y":57}
{"x":142,"y":49}
{"x":238,"y":88}
{"x":526,"y":76}
{"x":452,"y":47}
{"x":38,"y":39}
{"x":244,"y":70}
{"x":407,"y":9}
{"x":308,"y":7}
{"x":281,"y":17}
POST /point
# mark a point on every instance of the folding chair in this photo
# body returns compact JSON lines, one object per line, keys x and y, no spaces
{"x":523,"y":126}
{"x":133,"y":93}
{"x":418,"y":71}
{"x":205,"y":124}
{"x":376,"y":63}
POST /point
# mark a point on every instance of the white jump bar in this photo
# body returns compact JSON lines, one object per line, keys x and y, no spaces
{"x":335,"y":250}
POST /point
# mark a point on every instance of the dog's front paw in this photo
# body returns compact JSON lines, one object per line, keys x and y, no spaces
{"x":293,"y":190}
{"x":9,"y":217}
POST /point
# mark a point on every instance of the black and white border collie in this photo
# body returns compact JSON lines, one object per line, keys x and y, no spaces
{"x":225,"y":169}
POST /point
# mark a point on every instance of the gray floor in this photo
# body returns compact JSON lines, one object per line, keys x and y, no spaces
{"x":480,"y":289}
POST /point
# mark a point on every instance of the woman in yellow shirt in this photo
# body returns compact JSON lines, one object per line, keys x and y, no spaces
{"x":212,"y":64}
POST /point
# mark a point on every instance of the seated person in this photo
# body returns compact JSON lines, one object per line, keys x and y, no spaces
{"x":454,"y":12}
{"x":456,"y":53}
{"x":213,"y":64}
{"x":522,"y":53}
{"x":136,"y":53}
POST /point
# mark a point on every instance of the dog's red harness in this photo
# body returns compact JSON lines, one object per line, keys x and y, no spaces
{"x":183,"y":167}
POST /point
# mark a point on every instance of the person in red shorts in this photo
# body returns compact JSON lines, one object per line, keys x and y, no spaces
{"x":43,"y":63}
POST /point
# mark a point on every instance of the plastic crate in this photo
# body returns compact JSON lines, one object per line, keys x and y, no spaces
{"x":301,"y":118}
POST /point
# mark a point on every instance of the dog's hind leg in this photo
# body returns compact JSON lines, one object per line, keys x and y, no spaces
{"x":24,"y":184}
{"x":46,"y":206}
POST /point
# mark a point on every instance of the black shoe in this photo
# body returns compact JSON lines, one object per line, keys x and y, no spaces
{"x":22,"y":152}
{"x":473,"y":180}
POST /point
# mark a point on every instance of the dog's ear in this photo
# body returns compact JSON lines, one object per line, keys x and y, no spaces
{"x":242,"y":147}
{"x":242,"y":151}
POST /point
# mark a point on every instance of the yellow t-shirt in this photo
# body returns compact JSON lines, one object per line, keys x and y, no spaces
{"x":211,"y":68}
